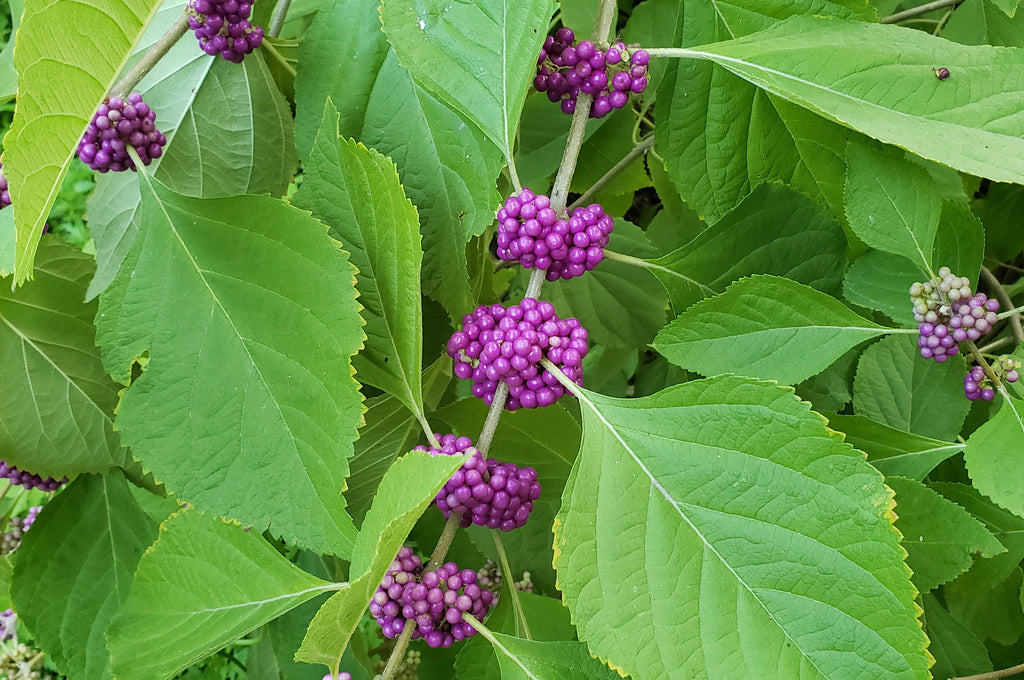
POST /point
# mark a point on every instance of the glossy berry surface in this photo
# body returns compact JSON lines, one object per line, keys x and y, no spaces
{"x":499,"y":344}
{"x":566,"y":68}
{"x":487,"y":493}
{"x":116,"y":125}
{"x":223,"y":27}
{"x":434,"y":600}
{"x":529,"y":232}
{"x":27,"y":479}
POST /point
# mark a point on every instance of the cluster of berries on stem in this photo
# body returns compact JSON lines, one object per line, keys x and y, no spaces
{"x":530,"y":232}
{"x":10,"y":541}
{"x":434,"y":600}
{"x":949,"y":313}
{"x":503,"y":344}
{"x":223,"y":27}
{"x":29,"y":480}
{"x":977,"y":385}
{"x":486,"y":493}
{"x":566,"y":68}
{"x":116,"y":125}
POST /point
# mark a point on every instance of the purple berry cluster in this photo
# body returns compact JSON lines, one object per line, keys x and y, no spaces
{"x":116,"y":125}
{"x":223,"y":27}
{"x":5,"y":193}
{"x":948,"y":313}
{"x":19,"y":525}
{"x":487,"y":493}
{"x":565,"y":68}
{"x":435,"y":600}
{"x":8,"y":625}
{"x":977,"y":385}
{"x":531,"y":233}
{"x":29,"y":480}
{"x":503,"y":344}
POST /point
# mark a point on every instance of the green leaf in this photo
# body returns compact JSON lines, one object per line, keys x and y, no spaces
{"x":356,"y":191}
{"x":247,"y":311}
{"x":960,"y":241}
{"x":893,"y":451}
{"x":892,"y":204}
{"x":998,"y":208}
{"x":765,"y":327}
{"x":881,"y":281}
{"x":92,"y":532}
{"x":723,"y":136}
{"x":57,"y":403}
{"x":993,"y":449}
{"x":406,"y":490}
{"x":621,"y":305}
{"x":203,"y":584}
{"x":896,"y":387}
{"x":7,"y":242}
{"x":957,"y":650}
{"x":545,"y":439}
{"x":231,"y":134}
{"x":878,"y":79}
{"x":715,"y":529}
{"x":940,"y":537}
{"x":521,"y":659}
{"x":986,"y":22}
{"x":478,"y":58}
{"x":8,"y":76}
{"x":388,"y":431}
{"x":58,"y":91}
{"x":775,"y":230}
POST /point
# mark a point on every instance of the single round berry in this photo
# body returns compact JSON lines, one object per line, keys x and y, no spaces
{"x":116,"y":125}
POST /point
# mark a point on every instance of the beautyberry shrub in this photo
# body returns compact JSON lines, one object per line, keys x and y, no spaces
{"x":498,"y":344}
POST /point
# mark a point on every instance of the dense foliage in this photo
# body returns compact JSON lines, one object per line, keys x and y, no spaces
{"x":698,"y":323}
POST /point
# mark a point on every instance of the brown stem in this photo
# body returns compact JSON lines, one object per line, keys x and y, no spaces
{"x":154,"y":54}
{"x":918,"y":11}
{"x":992,"y":675}
{"x":1005,"y":301}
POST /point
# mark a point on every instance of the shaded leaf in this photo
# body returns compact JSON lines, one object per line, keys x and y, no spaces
{"x":478,"y":58}
{"x":956,"y":648}
{"x":765,"y":327}
{"x":92,"y":533}
{"x":940,"y":537}
{"x":745,"y":528}
{"x":203,"y":584}
{"x":57,"y":403}
{"x":896,"y":387}
{"x":993,"y":449}
{"x":356,"y":191}
{"x":247,"y":311}
{"x":893,"y":451}
{"x":881,"y":281}
{"x":775,"y":230}
{"x":533,"y":660}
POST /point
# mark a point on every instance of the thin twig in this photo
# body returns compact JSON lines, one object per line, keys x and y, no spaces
{"x":277,"y":19}
{"x":154,"y":54}
{"x":634,"y":153}
{"x":918,"y":11}
{"x":993,"y":675}
{"x":1005,"y":301}
{"x":398,"y":653}
{"x":445,"y":541}
{"x":483,"y":442}
{"x":517,"y":606}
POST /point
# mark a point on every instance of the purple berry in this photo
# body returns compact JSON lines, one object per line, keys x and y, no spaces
{"x":115,"y":126}
{"x":223,"y":27}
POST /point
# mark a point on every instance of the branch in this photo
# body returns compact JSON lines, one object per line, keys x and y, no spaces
{"x":277,"y":20}
{"x":634,"y":153}
{"x":993,"y":675}
{"x":398,"y":653}
{"x":1005,"y":301}
{"x":918,"y":11}
{"x":154,"y":54}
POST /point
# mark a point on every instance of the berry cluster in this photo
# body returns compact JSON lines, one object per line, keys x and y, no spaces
{"x":8,"y":625}
{"x":565,"y":68}
{"x":116,"y":125}
{"x":223,"y":27}
{"x":486,"y":493}
{"x":507,"y":344}
{"x":27,"y":479}
{"x":947,"y":313}
{"x":5,"y":193}
{"x":10,"y":541}
{"x":406,"y":670}
{"x":435,"y":600}
{"x":20,"y":661}
{"x":529,"y":231}
{"x":977,"y":384}
{"x":490,"y":577}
